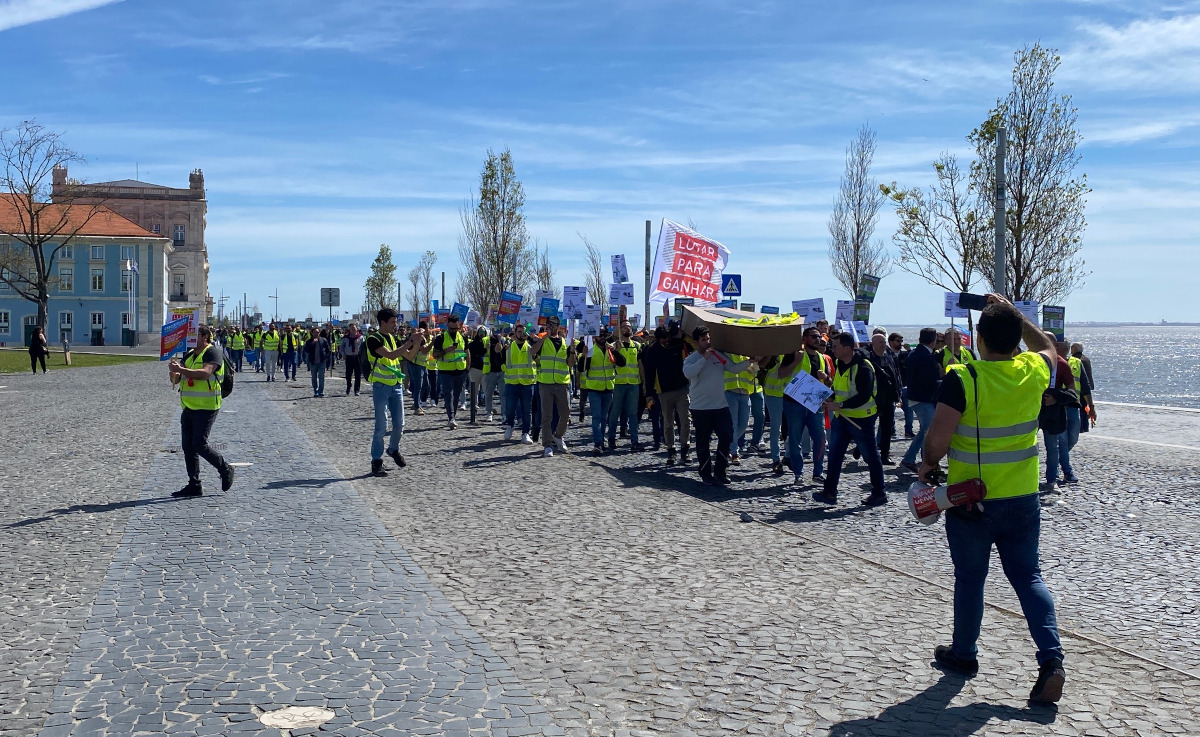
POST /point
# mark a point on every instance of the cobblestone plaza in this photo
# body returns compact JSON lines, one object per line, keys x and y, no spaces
{"x":486,"y":590}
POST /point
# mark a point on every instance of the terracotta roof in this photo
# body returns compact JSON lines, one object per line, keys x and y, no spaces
{"x":103,"y":222}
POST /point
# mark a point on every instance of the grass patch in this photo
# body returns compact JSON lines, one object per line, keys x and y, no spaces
{"x":17,"y":361}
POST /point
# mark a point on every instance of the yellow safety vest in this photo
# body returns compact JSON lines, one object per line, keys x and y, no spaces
{"x":628,"y":374}
{"x":201,"y":393}
{"x":552,"y":364}
{"x":844,"y":388}
{"x":487,"y":354}
{"x":743,"y":381}
{"x":518,"y":368}
{"x":601,"y":374}
{"x":964,"y":357}
{"x":1076,"y":371}
{"x":454,"y":358}
{"x":385,"y":370}
{"x":774,"y":384}
{"x":270,"y":341}
{"x":1005,"y":450}
{"x":237,"y":342}
{"x":430,"y":361}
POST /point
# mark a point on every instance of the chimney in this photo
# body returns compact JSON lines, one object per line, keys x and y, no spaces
{"x":196,"y":180}
{"x":59,"y":175}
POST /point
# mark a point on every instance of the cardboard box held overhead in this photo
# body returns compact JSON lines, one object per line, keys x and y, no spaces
{"x":747,"y":340}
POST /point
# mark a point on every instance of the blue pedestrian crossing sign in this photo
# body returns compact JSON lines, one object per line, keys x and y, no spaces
{"x":731,"y":285}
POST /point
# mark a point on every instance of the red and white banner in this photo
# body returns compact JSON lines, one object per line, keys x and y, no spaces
{"x":687,"y":265}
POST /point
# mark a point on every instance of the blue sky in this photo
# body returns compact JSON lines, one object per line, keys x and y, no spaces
{"x":326,"y":128}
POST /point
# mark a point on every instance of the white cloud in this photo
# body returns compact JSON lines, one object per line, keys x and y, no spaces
{"x":15,"y":13}
{"x":1155,"y":55}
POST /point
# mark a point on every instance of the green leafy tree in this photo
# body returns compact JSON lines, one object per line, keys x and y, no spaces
{"x":380,"y":286}
{"x":1044,"y":215}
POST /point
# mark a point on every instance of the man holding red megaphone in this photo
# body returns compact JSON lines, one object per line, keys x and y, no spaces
{"x":986,"y":424}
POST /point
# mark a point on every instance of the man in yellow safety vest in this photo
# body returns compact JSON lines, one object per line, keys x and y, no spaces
{"x":199,"y":379}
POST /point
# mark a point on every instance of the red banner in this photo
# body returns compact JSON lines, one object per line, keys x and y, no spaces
{"x":688,"y":286}
{"x":692,"y":267}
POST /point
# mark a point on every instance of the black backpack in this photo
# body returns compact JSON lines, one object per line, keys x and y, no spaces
{"x":226,"y":377}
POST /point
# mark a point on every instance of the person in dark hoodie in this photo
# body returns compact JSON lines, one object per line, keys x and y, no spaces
{"x":854,"y":417}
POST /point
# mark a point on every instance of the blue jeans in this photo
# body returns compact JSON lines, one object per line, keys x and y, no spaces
{"x":1013,"y":525}
{"x":799,"y":419}
{"x":1058,"y":454}
{"x":237,"y":359}
{"x":600,"y":403}
{"x":1073,"y":422}
{"x":908,"y":413}
{"x":739,"y":410}
{"x":924,"y":413}
{"x":452,"y":388}
{"x":862,"y":433}
{"x":316,"y":372}
{"x":756,"y":414}
{"x":490,"y":382}
{"x":416,"y":382}
{"x":775,"y":410}
{"x":624,"y":399}
{"x":387,"y":398}
{"x":520,"y":396}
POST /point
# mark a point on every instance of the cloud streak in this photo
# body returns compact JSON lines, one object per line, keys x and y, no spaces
{"x":16,"y":13}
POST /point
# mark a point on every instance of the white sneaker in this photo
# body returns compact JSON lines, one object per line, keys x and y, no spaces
{"x":488,"y":418}
{"x":548,"y":452}
{"x":763,"y":447}
{"x":453,"y":425}
{"x":508,"y":433}
{"x":561,"y":443}
{"x":526,"y":439}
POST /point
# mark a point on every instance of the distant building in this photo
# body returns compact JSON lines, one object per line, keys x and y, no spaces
{"x":178,"y":214}
{"x":90,"y":290}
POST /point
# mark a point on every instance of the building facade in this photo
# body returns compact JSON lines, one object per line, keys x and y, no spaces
{"x":178,"y":214}
{"x":91,"y":284}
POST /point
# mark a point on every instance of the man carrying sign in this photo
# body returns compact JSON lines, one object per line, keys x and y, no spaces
{"x":853,"y":407}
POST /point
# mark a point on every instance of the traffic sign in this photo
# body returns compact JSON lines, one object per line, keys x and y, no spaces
{"x":331,"y":297}
{"x":731,"y":285}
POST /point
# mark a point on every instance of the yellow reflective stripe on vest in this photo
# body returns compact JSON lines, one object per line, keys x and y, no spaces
{"x":844,"y":384}
{"x":384,"y":370}
{"x":743,"y":381}
{"x":628,"y":374}
{"x":601,"y":374}
{"x":1076,"y":370}
{"x":518,"y":369}
{"x":552,"y":366}
{"x":487,"y":354}
{"x":455,"y":357}
{"x":203,"y":393}
{"x":270,"y":341}
{"x":1005,"y":453}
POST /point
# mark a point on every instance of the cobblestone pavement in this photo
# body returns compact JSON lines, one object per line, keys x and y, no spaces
{"x":628,"y":608}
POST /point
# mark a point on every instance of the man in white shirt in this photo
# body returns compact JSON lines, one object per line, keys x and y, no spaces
{"x":705,"y":370}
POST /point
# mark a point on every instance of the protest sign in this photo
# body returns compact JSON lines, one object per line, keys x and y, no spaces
{"x":1028,"y":308}
{"x":862,"y":311}
{"x":845,"y":310}
{"x":768,"y":310}
{"x":547,"y":310}
{"x":747,"y":307}
{"x":509,"y":308}
{"x":193,"y":326}
{"x":473,"y":319}
{"x":687,"y":264}
{"x":810,"y":309}
{"x":620,"y":294}
{"x":730,"y":303}
{"x":590,"y":324}
{"x":868,"y":286}
{"x":679,"y":304}
{"x":574,"y":302}
{"x":952,"y":308}
{"x":525,"y":315}
{"x":174,"y":337}
{"x":614,"y":316}
{"x":808,"y":391}
{"x":460,"y":311}
{"x":1054,"y":319}
{"x":857,"y":328}
{"x":620,"y":272}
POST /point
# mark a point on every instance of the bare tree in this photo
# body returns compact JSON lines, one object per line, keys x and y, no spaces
{"x":493,"y":249}
{"x":414,"y":292}
{"x":855,"y":212}
{"x":543,"y":271}
{"x":1044,"y":217}
{"x":941,"y":236}
{"x":425,"y":266}
{"x":595,"y":277}
{"x":38,"y":228}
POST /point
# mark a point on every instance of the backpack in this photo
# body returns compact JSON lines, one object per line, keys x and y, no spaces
{"x":226,"y":377}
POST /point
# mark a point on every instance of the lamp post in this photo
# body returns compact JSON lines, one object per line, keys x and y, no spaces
{"x":276,"y":298}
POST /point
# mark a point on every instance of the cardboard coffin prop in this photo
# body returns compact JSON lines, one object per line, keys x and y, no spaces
{"x":747,"y":333}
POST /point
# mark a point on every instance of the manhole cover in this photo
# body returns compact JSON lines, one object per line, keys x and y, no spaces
{"x":295,"y":717}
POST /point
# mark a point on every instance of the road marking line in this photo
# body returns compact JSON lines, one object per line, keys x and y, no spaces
{"x":1093,"y":434}
{"x":1150,"y":406}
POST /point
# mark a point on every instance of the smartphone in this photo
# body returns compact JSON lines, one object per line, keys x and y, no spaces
{"x":968,"y":301}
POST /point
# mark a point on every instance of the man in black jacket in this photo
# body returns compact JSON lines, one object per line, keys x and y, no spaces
{"x":924,"y":375}
{"x":854,"y":413}
{"x":887,"y":393}
{"x":662,"y":362}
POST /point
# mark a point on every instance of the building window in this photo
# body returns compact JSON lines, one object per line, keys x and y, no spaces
{"x":97,"y":320}
{"x":127,"y":320}
{"x":156,"y":229}
{"x":126,"y":282}
{"x":4,"y":322}
{"x":180,"y":232}
{"x":67,"y":252}
{"x":97,"y":280}
{"x":3,"y":275}
{"x":126,"y":253}
{"x":97,"y":253}
{"x":66,"y":279}
{"x":65,"y":320}
{"x":177,"y":284}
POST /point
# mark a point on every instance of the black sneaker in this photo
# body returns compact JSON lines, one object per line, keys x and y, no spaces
{"x":824,"y":498}
{"x":399,"y":459}
{"x":187,"y":491}
{"x":377,"y":468}
{"x":1049,"y":686}
{"x":671,"y":459}
{"x":875,"y":500}
{"x":227,"y":475}
{"x":684,"y":455}
{"x":946,"y":658}
{"x":777,"y":469}
{"x":722,"y":479}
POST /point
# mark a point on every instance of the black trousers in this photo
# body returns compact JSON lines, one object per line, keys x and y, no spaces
{"x":887,"y":428}
{"x":195,"y":425}
{"x":706,"y":422}
{"x":353,"y":369}
{"x":33,"y":362}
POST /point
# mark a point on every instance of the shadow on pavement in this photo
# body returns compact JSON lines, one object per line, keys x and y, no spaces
{"x":815,"y":514}
{"x":90,"y":509}
{"x":929,"y":714}
{"x":307,"y":483}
